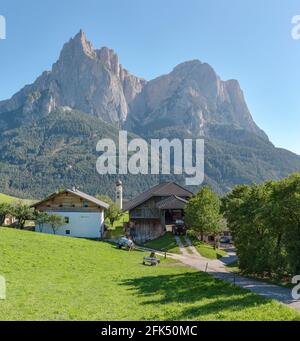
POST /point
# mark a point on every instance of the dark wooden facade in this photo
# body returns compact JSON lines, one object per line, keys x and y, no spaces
{"x":150,"y":212}
{"x":146,"y":221}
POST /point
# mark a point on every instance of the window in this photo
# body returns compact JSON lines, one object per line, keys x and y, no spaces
{"x":67,"y":220}
{"x":68,"y":231}
{"x":85,"y":203}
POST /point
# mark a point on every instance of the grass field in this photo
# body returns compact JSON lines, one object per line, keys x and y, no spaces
{"x":205,"y":249}
{"x":9,"y":200}
{"x":284,"y":282}
{"x":117,"y":230}
{"x":60,"y":278}
{"x":166,"y":243}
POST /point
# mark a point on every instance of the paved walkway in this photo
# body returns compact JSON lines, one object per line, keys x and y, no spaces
{"x":191,"y":246}
{"x":182,"y":248}
{"x":217,"y":268}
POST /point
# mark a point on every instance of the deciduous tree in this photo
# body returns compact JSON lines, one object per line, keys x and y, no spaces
{"x":41,"y":218}
{"x":5,"y":209}
{"x":202,"y":213}
{"x":22,"y":213}
{"x":113,"y":213}
{"x":55,"y":221}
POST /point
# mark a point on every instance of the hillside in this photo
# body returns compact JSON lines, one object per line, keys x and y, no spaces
{"x":59,"y":151}
{"x":7,"y":198}
{"x":60,"y":278}
{"x":4,"y":198}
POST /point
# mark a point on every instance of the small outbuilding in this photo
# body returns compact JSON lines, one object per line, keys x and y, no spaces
{"x":156,"y":210}
{"x":83,"y":214}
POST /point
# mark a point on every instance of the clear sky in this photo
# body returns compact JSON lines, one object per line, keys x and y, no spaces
{"x":249,"y":40}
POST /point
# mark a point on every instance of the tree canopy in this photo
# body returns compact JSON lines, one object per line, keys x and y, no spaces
{"x":113,"y":213}
{"x":202,"y":213}
{"x":265,"y":222}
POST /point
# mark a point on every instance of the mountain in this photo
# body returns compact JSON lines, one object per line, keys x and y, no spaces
{"x":49,"y":129}
{"x":84,"y":79}
{"x":59,"y":151}
{"x":191,"y":97}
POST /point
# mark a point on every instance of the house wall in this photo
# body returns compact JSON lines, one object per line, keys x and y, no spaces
{"x":147,"y":221}
{"x":9,"y":220}
{"x":146,"y":229}
{"x":81,"y":224}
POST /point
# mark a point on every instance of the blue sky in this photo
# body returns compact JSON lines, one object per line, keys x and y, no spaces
{"x":249,"y":40}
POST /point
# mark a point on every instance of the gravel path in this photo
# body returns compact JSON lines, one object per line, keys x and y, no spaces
{"x":183,"y":250}
{"x":217,"y":268}
{"x":191,"y":246}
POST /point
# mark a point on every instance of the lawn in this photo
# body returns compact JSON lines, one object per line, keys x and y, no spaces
{"x":165,"y":243}
{"x":9,"y":200}
{"x":60,"y":278}
{"x":117,"y":230}
{"x":205,"y":249}
{"x":284,"y":282}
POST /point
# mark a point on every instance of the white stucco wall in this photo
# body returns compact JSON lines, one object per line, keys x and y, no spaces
{"x":81,"y":224}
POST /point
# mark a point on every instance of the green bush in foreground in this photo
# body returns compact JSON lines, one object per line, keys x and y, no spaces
{"x":265,"y":221}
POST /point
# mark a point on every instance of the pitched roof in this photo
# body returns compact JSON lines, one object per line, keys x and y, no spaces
{"x":164,"y":189}
{"x":173,"y":202}
{"x":79,"y":194}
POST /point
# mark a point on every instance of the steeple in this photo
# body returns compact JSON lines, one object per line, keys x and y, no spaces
{"x":119,"y":194}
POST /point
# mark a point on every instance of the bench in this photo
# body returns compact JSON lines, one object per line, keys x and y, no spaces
{"x":151,"y":260}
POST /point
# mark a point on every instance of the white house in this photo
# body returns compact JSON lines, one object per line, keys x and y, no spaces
{"x":82,"y":213}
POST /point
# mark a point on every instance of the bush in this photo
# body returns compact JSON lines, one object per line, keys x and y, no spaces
{"x":265,"y":222}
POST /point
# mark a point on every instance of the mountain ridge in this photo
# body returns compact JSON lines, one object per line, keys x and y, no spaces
{"x":49,"y":129}
{"x":106,"y":87}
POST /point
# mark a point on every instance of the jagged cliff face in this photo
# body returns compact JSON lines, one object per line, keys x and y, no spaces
{"x":84,"y":79}
{"x":192,"y":97}
{"x":49,"y":129}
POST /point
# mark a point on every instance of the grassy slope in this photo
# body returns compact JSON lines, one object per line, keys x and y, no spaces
{"x":61,"y":278}
{"x":205,"y":249}
{"x":8,"y":199}
{"x":165,"y":243}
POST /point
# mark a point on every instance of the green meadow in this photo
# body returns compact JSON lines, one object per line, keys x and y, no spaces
{"x":59,"y":278}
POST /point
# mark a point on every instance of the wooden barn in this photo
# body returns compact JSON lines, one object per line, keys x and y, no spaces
{"x":82,"y":213}
{"x":151,"y":212}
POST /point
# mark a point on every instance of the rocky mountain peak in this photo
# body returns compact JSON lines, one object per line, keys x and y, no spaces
{"x":83,"y":78}
{"x":192,"y":97}
{"x":110,"y":58}
{"x":77,"y":47}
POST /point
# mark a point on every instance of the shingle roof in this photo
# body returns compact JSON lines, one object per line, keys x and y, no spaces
{"x":164,"y":189}
{"x":89,"y":198}
{"x":79,"y":194}
{"x":173,"y":202}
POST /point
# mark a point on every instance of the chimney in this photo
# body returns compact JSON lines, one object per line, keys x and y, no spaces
{"x":119,"y":194}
